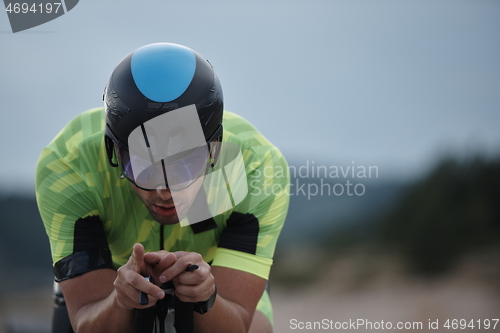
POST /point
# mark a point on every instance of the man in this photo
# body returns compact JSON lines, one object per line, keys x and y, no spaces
{"x":166,"y":185}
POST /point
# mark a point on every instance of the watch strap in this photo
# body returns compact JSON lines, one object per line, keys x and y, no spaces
{"x":205,"y":306}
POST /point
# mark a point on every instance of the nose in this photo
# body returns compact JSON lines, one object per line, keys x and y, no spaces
{"x":164,"y":193}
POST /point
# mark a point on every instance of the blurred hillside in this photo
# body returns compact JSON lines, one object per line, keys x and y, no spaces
{"x":429,"y":252}
{"x":24,"y":247}
{"x":430,"y":224}
{"x":453,"y":211}
{"x":26,"y":269}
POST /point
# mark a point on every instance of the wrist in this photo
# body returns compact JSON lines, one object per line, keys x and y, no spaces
{"x":205,"y":306}
{"x":116,"y":304}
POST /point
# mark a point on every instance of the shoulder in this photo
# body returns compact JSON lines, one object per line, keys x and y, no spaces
{"x":252,"y":143}
{"x":257,"y":151}
{"x":84,"y":128}
{"x":79,"y":138}
{"x":75,"y":151}
{"x":239,"y":130}
{"x":74,"y":162}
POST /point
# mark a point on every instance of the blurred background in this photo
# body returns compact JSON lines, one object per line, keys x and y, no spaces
{"x":387,"y":111}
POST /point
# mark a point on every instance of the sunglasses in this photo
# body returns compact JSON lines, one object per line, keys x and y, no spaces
{"x":175,"y":172}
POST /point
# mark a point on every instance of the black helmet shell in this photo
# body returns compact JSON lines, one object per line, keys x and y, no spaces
{"x":159,"y":78}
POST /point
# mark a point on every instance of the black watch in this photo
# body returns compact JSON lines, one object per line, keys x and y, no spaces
{"x":205,"y":306}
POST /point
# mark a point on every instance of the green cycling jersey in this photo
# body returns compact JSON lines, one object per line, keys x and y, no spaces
{"x":90,"y":212}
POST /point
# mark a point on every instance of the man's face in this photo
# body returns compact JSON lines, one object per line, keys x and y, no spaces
{"x":161,"y":205}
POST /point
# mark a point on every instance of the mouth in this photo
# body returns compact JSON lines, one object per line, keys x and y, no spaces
{"x":165,"y":211}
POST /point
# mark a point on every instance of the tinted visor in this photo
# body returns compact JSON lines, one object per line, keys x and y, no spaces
{"x":174,"y":174}
{"x":168,"y":150}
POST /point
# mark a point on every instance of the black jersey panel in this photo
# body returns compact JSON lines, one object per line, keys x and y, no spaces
{"x":90,"y":250}
{"x":241,"y":234}
{"x":82,"y":262}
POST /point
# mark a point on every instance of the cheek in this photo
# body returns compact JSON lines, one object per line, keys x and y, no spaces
{"x":145,"y":196}
{"x":193,"y":190}
{"x":188,"y":195}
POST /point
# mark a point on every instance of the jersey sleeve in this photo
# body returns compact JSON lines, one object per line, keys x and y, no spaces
{"x":68,"y":208}
{"x":252,"y":230}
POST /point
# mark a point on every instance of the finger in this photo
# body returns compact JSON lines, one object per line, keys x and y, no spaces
{"x":137,"y":255}
{"x":129,"y":297}
{"x":153,"y":258}
{"x":132,"y":283}
{"x":195,"y":293}
{"x":193,"y":276}
{"x":181,"y":264}
{"x":142,"y":284}
{"x":180,"y":254}
{"x":160,"y":260}
{"x":157,"y":262}
{"x":166,"y":262}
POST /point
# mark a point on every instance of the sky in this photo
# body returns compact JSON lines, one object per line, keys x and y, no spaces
{"x":393,"y":84}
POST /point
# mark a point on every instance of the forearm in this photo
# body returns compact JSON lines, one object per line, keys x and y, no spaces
{"x":103,"y":300}
{"x":224,"y":317}
{"x":104,"y":315}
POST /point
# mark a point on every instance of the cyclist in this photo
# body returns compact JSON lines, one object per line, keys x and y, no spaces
{"x":162,"y":183}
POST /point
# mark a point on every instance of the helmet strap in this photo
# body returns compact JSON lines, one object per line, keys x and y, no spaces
{"x":212,"y":163}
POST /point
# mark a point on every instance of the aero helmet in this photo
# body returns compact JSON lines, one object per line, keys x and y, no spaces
{"x":149,"y":82}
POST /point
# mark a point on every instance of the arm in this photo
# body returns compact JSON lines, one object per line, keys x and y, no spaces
{"x":238,"y":294}
{"x":92,"y":305}
{"x":104,"y":300}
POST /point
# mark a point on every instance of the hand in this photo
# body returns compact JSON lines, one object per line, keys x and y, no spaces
{"x":130,"y":281}
{"x":159,"y":261}
{"x":192,"y":286}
